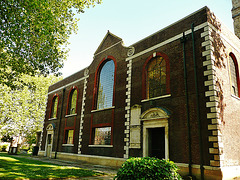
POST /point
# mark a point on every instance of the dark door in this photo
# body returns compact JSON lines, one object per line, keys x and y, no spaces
{"x":156,"y":141}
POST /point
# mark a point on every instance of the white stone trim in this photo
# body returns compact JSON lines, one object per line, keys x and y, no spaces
{"x":69,"y":84}
{"x":68,"y":145}
{"x":148,"y":124}
{"x":177,"y":37}
{"x":108,"y":48}
{"x":127,"y":108}
{"x":211,"y":94}
{"x":97,"y":110}
{"x":48,"y":147}
{"x":101,"y":146}
{"x":82,"y":116}
{"x":70,"y":115}
{"x":135,"y":127}
{"x":160,"y":97}
{"x":54,"y":118}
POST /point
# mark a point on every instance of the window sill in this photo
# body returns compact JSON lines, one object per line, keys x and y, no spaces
{"x":235,"y":97}
{"x":52,"y":119}
{"x":67,"y":144}
{"x":103,"y":109}
{"x":159,"y":97}
{"x":105,"y":146}
{"x":70,"y":115}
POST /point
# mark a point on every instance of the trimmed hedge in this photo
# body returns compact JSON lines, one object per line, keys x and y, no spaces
{"x":147,"y":168}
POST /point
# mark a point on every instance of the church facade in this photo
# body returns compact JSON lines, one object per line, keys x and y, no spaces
{"x":172,"y":95}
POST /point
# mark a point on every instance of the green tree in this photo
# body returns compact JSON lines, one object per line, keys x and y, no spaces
{"x":34,"y":34}
{"x":23,"y":109}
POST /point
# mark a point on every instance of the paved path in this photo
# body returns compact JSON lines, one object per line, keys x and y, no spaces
{"x":104,"y":169}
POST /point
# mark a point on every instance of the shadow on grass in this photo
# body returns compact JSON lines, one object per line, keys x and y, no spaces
{"x":12,"y":167}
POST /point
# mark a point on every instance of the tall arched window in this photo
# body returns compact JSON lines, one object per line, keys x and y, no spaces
{"x":234,"y":74}
{"x":72,"y":102}
{"x":54,"y":106}
{"x":106,"y":85}
{"x":156,"y":76}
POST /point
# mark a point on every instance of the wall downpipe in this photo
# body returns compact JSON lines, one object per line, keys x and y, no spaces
{"x":197,"y":104}
{"x":59,"y":125}
{"x":183,"y":41}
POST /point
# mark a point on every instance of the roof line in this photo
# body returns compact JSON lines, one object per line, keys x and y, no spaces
{"x":120,"y":39}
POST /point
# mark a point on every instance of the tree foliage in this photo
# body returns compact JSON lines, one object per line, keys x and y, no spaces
{"x":22,"y":110}
{"x":33,"y":35}
{"x":6,"y":138}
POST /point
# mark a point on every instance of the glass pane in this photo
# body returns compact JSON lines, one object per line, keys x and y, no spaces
{"x":156,"y":77}
{"x":102,"y":136}
{"x":233,"y":77}
{"x":73,"y":102}
{"x":105,"y":87}
{"x":69,"y":136}
{"x":54,"y":107}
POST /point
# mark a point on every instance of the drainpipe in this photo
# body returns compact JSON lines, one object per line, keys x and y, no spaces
{"x":59,"y":125}
{"x":197,"y":103}
{"x":183,"y":41}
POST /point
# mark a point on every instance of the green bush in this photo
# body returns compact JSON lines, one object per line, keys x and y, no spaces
{"x":147,"y":168}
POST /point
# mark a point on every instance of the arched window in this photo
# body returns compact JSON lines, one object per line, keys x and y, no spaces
{"x":106,"y":85}
{"x":72,"y":102}
{"x":234,"y":75}
{"x":101,"y":129}
{"x":156,"y":80}
{"x":54,"y":106}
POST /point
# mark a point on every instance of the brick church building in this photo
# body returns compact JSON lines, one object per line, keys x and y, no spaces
{"x":174,"y":94}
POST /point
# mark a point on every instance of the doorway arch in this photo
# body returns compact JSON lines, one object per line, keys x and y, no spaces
{"x":155,"y":133}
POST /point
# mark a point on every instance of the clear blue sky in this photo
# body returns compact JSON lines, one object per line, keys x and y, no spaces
{"x":132,"y":20}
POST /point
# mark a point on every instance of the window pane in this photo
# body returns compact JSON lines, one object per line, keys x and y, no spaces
{"x":233,"y":77}
{"x":156,"y":77}
{"x":69,"y":137}
{"x":102,"y":136}
{"x":73,"y":102}
{"x":54,"y":107}
{"x":105,"y":87}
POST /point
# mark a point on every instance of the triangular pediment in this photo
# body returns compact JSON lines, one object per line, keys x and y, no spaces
{"x":108,"y":41}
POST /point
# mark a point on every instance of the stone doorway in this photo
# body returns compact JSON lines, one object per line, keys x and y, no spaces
{"x":155,"y":133}
{"x":49,"y":140}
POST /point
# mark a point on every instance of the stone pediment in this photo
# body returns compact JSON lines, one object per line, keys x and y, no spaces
{"x":50,"y":127}
{"x":155,"y":113}
{"x":108,"y":41}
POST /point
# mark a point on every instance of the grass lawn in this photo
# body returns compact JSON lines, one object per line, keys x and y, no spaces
{"x":12,"y":167}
